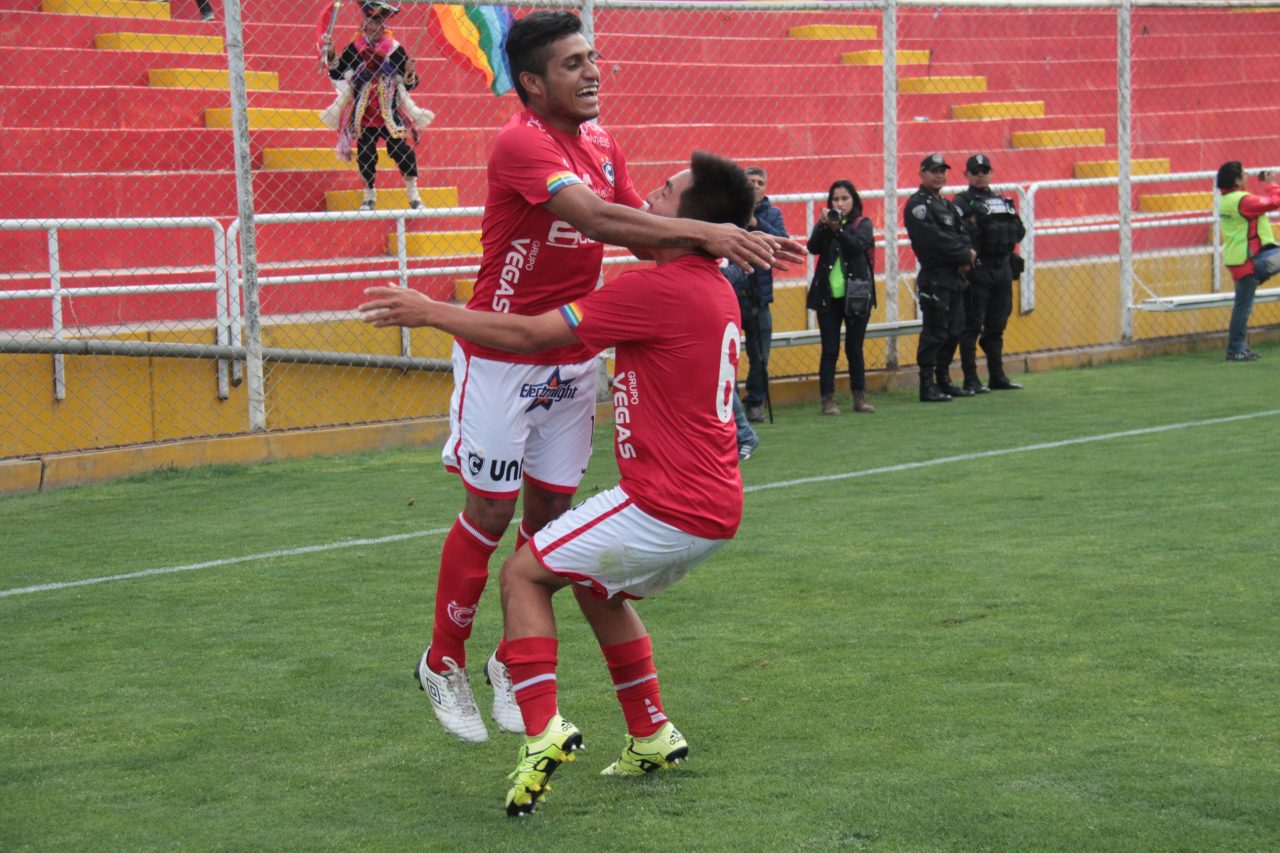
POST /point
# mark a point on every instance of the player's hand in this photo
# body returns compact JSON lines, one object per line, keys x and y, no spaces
{"x":396,"y":306}
{"x":1266,"y":176}
{"x":786,"y":251}
{"x":746,"y":249}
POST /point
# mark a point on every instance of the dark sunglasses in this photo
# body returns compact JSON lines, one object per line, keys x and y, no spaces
{"x":981,"y":170}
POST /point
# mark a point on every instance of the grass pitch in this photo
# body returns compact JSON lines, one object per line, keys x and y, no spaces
{"x":1039,"y":620}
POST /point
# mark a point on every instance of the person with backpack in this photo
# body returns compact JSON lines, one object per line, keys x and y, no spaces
{"x":843,"y":291}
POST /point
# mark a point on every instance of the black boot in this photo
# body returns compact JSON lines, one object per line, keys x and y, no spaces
{"x":974,"y":384}
{"x":930,"y":393}
{"x":1000,"y":382}
{"x":946,"y":387}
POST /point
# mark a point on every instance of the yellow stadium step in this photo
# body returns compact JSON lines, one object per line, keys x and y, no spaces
{"x":998,"y":109}
{"x":876,"y":57}
{"x":210,"y":78}
{"x":464,"y":289}
{"x":108,"y":8}
{"x":1059,"y":138}
{"x":262,"y":118}
{"x":313,"y":160}
{"x":1175,"y":202}
{"x":159,"y":43}
{"x":437,"y":244}
{"x":832,"y":32}
{"x":391,"y":199}
{"x":941,"y":85}
{"x":1111,"y":168}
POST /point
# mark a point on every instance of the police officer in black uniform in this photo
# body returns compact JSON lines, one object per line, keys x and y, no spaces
{"x":944,"y":255}
{"x":995,"y":229}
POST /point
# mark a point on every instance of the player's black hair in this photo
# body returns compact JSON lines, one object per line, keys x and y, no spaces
{"x":529,"y":43}
{"x":1229,"y":173}
{"x":848,"y":187}
{"x":720,"y":192}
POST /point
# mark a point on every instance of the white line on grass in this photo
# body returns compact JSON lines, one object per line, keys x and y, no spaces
{"x":783,"y":484}
{"x":289,"y":552}
{"x":966,"y":457}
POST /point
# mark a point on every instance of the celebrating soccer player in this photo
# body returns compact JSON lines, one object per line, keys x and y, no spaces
{"x":676,"y":336}
{"x":558,"y":190}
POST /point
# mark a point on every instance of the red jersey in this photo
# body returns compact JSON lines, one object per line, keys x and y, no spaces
{"x":534,"y":262}
{"x":676,"y":333}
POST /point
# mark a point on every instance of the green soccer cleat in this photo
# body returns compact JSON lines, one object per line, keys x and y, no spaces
{"x":539,"y":758}
{"x":664,"y":748}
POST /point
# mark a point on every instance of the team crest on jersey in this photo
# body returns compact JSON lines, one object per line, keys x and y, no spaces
{"x":607,"y":168}
{"x":545,"y":393}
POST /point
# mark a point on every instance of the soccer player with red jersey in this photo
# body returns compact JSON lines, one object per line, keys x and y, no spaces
{"x":676,"y":334}
{"x":558,"y":189}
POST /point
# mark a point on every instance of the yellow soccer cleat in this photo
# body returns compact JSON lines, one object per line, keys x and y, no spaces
{"x":539,"y":758}
{"x":664,"y":748}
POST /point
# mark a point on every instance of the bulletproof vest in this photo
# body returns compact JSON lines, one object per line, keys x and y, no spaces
{"x":998,"y":225}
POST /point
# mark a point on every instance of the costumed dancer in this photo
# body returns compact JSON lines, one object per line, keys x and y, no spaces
{"x":373,"y":77}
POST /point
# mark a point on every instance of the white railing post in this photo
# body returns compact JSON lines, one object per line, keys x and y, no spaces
{"x":889,"y":110}
{"x":1027,"y":300}
{"x":1125,"y":165}
{"x":244,"y":209}
{"x":55,"y":284}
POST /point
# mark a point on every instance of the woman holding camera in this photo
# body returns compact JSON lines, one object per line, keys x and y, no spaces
{"x":843,"y":291}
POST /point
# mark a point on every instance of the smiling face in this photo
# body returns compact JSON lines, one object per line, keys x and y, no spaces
{"x":567,"y":93}
{"x":980,"y":178}
{"x":933,"y":179}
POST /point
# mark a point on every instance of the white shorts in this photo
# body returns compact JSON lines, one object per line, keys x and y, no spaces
{"x":511,"y":423}
{"x":610,"y":544}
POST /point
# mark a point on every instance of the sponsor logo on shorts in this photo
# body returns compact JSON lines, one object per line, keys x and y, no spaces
{"x":505,"y":469}
{"x":474,"y":463}
{"x":545,"y":393}
{"x":461,"y":616}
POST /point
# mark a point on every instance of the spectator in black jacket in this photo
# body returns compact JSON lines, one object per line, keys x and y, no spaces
{"x":844,"y":242}
{"x":755,"y":296}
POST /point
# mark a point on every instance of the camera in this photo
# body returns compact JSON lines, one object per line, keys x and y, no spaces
{"x":833,"y":214}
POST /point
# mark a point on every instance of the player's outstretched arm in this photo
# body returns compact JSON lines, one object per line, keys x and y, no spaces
{"x":620,"y":225}
{"x":400,"y":306}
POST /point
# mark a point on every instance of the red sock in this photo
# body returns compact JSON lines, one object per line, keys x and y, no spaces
{"x":464,"y":571}
{"x":532,"y":664}
{"x":636,"y":681}
{"x":521,"y":536}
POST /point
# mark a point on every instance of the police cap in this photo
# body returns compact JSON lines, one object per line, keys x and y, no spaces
{"x":976,"y":162}
{"x":933,"y":161}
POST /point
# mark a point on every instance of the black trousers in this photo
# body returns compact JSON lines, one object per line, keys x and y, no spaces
{"x":942,"y":319}
{"x":855,"y":333}
{"x":398,"y":149}
{"x":987,"y":305}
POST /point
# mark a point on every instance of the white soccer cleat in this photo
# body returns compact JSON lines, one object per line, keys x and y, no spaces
{"x":452,"y":700}
{"x":506,"y":711}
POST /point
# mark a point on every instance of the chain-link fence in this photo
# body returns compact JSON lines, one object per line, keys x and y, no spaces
{"x":141,"y":302}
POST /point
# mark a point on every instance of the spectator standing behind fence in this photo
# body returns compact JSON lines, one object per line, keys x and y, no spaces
{"x":995,"y":230}
{"x":755,"y":295}
{"x":1248,"y":247}
{"x":842,"y":291}
{"x":748,"y":440}
{"x":373,"y":76}
{"x":206,"y":9}
{"x":944,"y":257}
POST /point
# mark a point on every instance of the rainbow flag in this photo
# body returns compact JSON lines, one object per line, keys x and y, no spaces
{"x":476,"y":37}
